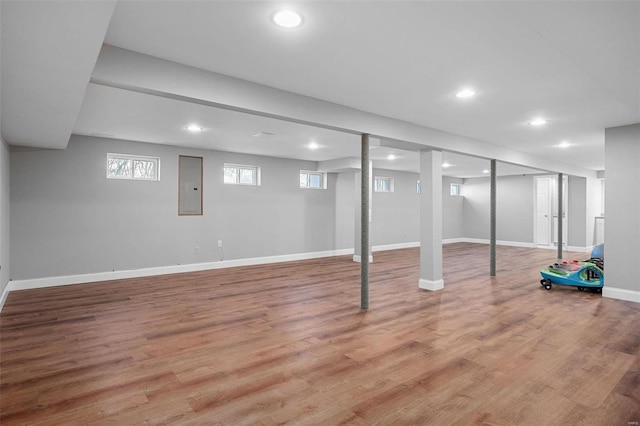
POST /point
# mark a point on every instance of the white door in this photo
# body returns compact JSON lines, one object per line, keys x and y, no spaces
{"x":554,"y":210}
{"x":543,"y":211}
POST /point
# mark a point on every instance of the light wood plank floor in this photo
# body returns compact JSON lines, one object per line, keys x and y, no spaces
{"x":287,"y":343}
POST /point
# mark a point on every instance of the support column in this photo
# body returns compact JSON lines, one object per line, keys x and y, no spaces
{"x":357,"y":209}
{"x":364,"y":224}
{"x":431,"y":221}
{"x":560,"y":209}
{"x":492,"y":223}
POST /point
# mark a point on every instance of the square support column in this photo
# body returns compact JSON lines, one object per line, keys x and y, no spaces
{"x":431,"y":221}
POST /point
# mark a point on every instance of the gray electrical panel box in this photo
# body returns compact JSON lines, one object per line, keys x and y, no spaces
{"x":189,"y":185}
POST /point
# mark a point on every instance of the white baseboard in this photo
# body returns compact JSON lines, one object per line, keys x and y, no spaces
{"x":357,"y":258}
{"x":162,"y":270}
{"x":431,"y":285}
{"x":455,"y":240}
{"x":395,"y":246}
{"x":621,"y":294}
{"x":3,"y":296}
{"x":498,"y":242}
{"x":568,"y":248}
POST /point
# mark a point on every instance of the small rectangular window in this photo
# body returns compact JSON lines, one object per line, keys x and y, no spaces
{"x":124,"y":166}
{"x":382,"y":184}
{"x":238,"y":174}
{"x":418,"y":187}
{"x":313,"y":180}
{"x":455,"y":189}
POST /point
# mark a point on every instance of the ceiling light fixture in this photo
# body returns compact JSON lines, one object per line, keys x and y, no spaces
{"x":485,"y":171}
{"x":391,"y":157}
{"x":538,"y":122}
{"x":446,"y":165}
{"x":194,"y":128}
{"x":564,"y":144}
{"x":287,"y":19}
{"x":313,"y":145}
{"x":465,"y":93}
{"x":263,"y":134}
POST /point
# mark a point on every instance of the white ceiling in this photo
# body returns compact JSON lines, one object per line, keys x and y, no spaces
{"x":575,"y":63}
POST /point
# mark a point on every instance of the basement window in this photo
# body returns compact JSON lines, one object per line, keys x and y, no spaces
{"x":136,"y":167}
{"x":239,"y":174}
{"x":313,"y":180}
{"x":383,"y":184}
{"x":455,"y":189}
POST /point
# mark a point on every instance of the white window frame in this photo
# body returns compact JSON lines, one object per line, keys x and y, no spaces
{"x":309,"y":173}
{"x":239,"y":167}
{"x":377,"y":184}
{"x":457,"y":192}
{"x":133,"y":158}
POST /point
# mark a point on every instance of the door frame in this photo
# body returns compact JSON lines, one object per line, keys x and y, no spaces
{"x":552,"y":210}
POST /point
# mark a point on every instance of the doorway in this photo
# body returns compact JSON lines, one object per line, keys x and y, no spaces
{"x":546,"y":211}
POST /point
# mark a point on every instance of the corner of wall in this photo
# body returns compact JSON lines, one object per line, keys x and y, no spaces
{"x":4,"y":220}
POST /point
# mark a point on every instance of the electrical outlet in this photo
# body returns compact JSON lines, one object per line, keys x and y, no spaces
{"x":197,"y":250}
{"x":219,"y":243}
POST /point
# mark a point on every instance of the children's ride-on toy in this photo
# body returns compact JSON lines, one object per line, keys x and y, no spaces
{"x":588,"y":274}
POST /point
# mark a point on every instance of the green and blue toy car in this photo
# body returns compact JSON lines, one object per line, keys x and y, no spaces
{"x":586,"y":275}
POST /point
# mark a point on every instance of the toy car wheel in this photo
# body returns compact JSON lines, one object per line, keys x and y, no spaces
{"x":581,"y":288}
{"x":547,"y":286}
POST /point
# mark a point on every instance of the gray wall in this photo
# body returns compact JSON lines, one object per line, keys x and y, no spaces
{"x":395,"y":216}
{"x":622,"y":206}
{"x":514,"y":208}
{"x":452,"y":210}
{"x":67,"y":218}
{"x":4,"y":215}
{"x":345,"y":210}
{"x":577,"y":212}
{"x":585,"y":198}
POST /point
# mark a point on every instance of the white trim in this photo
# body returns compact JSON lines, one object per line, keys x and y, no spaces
{"x":162,"y":270}
{"x":431,"y":285}
{"x":498,"y":242}
{"x":356,"y":258}
{"x":4,"y":295}
{"x":395,"y":246}
{"x":454,"y":240}
{"x":621,"y":294}
{"x":587,"y":249}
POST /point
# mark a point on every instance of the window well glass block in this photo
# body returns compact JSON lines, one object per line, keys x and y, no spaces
{"x":118,"y":167}
{"x":143,"y":169}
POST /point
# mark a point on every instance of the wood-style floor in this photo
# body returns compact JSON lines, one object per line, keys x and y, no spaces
{"x":287,"y":343}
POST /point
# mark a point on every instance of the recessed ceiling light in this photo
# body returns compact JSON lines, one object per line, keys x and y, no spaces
{"x":445,"y":165}
{"x":313,"y":145}
{"x":391,"y":157}
{"x":287,"y":19}
{"x":465,"y":93}
{"x":538,"y":122}
{"x":485,"y":171}
{"x":263,"y":134}
{"x":564,"y":144}
{"x":194,"y":128}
